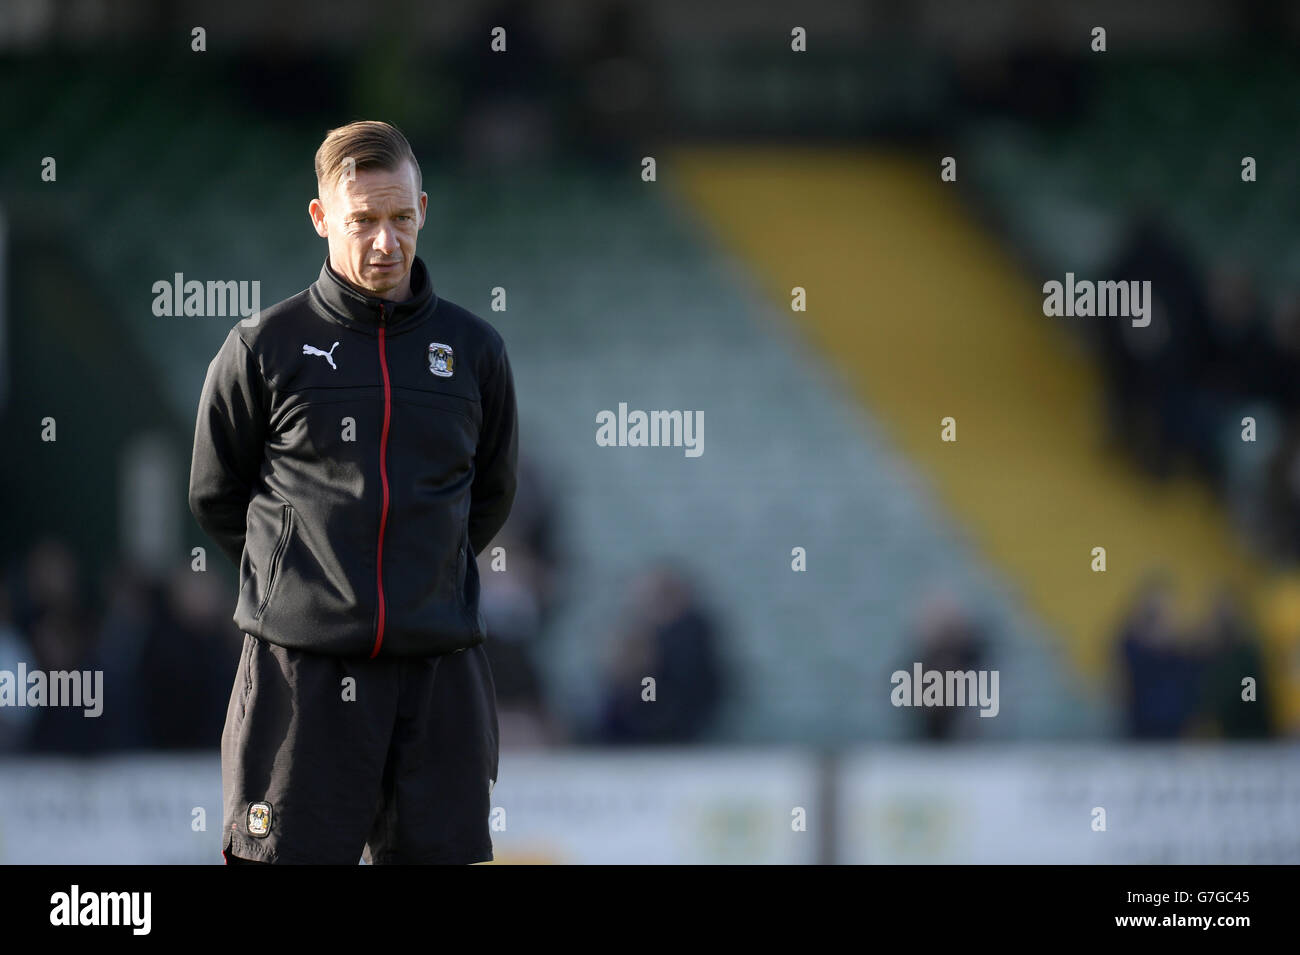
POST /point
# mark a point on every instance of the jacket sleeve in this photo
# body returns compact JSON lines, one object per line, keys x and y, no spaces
{"x":229,"y":439}
{"x":495,"y":461}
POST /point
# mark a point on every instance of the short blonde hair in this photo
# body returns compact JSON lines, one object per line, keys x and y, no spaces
{"x":369,"y":144}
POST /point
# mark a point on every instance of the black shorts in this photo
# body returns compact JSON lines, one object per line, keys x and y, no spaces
{"x":396,"y":767}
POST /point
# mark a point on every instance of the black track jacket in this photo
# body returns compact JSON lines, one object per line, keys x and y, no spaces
{"x":351,"y":456}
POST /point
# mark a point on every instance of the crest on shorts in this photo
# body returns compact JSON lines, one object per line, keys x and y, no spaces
{"x":259,"y":819}
{"x":440,"y":359}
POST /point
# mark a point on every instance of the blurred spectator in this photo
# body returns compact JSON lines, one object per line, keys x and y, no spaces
{"x":946,"y":638}
{"x":1283,"y":354}
{"x":133,"y":603}
{"x":512,"y":611}
{"x":190,"y":657}
{"x":667,"y":634}
{"x":1284,"y":494}
{"x":59,"y":632}
{"x":1237,"y":354}
{"x":15,"y":722}
{"x":1234,"y":369}
{"x":518,"y":585}
{"x":1232,"y":653}
{"x":1155,"y":411}
{"x":534,"y":525}
{"x":1161,"y":676}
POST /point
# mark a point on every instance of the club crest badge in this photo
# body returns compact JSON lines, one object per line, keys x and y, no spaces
{"x":259,"y":819}
{"x":440,"y":359}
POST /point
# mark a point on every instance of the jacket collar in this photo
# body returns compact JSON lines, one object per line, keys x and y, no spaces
{"x":348,"y":306}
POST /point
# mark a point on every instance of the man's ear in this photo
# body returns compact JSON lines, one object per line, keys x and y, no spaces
{"x":424,"y":205}
{"x":317,"y":213}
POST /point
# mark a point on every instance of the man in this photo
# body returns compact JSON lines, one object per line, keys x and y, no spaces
{"x":355,"y":450}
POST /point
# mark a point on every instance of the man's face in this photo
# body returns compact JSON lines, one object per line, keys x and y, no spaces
{"x":371,"y":222}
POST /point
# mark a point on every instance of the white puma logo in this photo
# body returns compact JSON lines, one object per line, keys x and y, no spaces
{"x":327,"y":355}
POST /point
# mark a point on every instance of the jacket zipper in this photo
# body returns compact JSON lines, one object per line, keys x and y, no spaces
{"x":276,"y":555}
{"x":383,"y":480}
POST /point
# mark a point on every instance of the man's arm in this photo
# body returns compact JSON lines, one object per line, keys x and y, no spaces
{"x":495,"y":460}
{"x":228,"y":444}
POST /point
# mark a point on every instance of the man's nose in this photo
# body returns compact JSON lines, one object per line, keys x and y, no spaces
{"x":386,"y":240}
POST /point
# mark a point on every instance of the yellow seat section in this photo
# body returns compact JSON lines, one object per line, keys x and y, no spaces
{"x":926,"y":316}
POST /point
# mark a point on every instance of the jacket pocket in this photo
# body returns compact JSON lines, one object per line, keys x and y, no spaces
{"x":286,"y":527}
{"x":460,"y":573}
{"x":468,"y":586}
{"x":246,"y":672}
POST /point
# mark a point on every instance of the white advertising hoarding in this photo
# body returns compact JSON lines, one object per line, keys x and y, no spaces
{"x":616,"y":806}
{"x":1040,"y":803}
